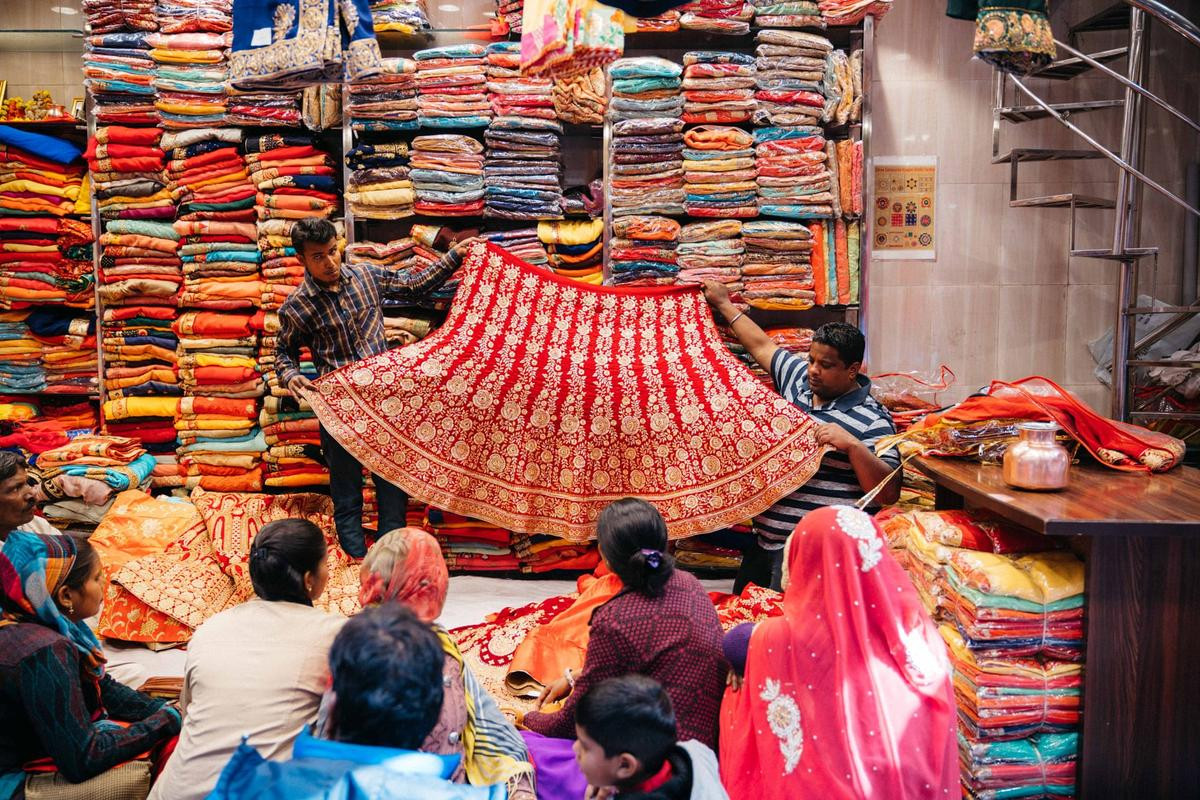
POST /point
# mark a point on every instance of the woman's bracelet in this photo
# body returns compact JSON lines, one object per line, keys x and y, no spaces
{"x":740,"y":314}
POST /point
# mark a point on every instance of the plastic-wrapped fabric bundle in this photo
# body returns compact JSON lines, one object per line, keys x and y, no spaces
{"x":510,"y":93}
{"x":447,"y":173}
{"x":643,"y":250}
{"x":787,"y":14}
{"x":379,"y":186}
{"x":793,"y":179}
{"x":452,"y":87}
{"x":718,"y":87}
{"x":719,"y":174}
{"x":191,"y":53}
{"x":117,"y":68}
{"x":523,"y":170}
{"x":387,"y":101}
{"x":852,"y":12}
{"x":399,"y":16}
{"x":731,"y":17}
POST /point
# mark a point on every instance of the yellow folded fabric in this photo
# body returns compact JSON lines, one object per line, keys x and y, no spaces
{"x":571,"y":232}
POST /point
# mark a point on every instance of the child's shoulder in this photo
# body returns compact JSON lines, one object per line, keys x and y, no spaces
{"x":706,"y":774}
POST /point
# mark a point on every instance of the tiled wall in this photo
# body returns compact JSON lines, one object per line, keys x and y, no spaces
{"x":28,"y":71}
{"x":1003,"y":299}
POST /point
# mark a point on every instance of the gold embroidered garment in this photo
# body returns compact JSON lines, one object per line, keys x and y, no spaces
{"x":541,"y":400}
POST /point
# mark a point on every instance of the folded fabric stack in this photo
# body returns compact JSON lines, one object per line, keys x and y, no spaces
{"x":643,"y":250}
{"x":844,"y":158}
{"x":151,"y":421}
{"x":447,"y":171}
{"x":221,"y":446}
{"x":263,"y":108}
{"x":1040,"y":766}
{"x":67,"y":342}
{"x":20,"y":355}
{"x":787,"y":14}
{"x":791,"y":77}
{"x":408,"y":327}
{"x":118,"y":70}
{"x":666,"y":22}
{"x":218,"y":354}
{"x":507,"y":18}
{"x":793,"y":179}
{"x":127,"y":174}
{"x":711,"y":251}
{"x":523,"y":171}
{"x":292,"y":434}
{"x":92,"y":469}
{"x":452,"y":87}
{"x":730,"y":17}
{"x":718,"y":87}
{"x":852,"y":12}
{"x":32,"y":425}
{"x":647,"y":166}
{"x":380,"y":186}
{"x":140,"y":351}
{"x":282,"y":272}
{"x":718,"y":172}
{"x":540,"y":554}
{"x":39,"y":175}
{"x":777,"y":273}
{"x":399,"y":16}
{"x":575,"y":248}
{"x":510,"y":94}
{"x":523,"y":243}
{"x":44,"y":259}
{"x":843,"y":88}
{"x":396,"y":255}
{"x":581,"y":99}
{"x":387,"y":101}
{"x":708,"y":554}
{"x":471,"y":545}
{"x":645,"y":87}
{"x":193,"y":67}
{"x":836,"y":262}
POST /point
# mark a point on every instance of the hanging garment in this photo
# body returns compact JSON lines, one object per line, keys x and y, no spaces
{"x":540,"y":401}
{"x":1011,"y":35}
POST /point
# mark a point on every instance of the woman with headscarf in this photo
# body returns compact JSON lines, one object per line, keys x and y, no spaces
{"x":56,"y":701}
{"x":406,"y":566}
{"x":258,"y":669}
{"x":847,"y":694}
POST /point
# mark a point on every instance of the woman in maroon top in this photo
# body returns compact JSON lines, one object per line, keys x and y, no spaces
{"x":661,"y":624}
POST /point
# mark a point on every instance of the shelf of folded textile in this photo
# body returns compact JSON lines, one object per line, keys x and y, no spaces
{"x":1141,"y":536}
{"x":80,"y":478}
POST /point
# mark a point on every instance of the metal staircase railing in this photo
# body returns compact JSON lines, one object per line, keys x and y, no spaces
{"x":1135,"y":16}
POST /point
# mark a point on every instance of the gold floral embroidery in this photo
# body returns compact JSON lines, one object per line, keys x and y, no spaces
{"x":349,"y":15}
{"x":285,"y":18}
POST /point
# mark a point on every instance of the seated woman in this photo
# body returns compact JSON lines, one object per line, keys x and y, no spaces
{"x":56,"y":701}
{"x":258,"y":669}
{"x":406,"y":566}
{"x":661,"y":624}
{"x":848,"y":693}
{"x":387,"y":677}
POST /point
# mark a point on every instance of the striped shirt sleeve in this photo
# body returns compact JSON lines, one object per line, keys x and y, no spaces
{"x":788,"y":370}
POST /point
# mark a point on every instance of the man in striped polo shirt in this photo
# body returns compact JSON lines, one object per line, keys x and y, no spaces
{"x":828,"y":387}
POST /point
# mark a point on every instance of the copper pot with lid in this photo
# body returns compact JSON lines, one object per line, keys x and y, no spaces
{"x":1037,"y":461}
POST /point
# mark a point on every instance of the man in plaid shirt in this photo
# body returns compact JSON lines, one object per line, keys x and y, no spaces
{"x":337,"y":313}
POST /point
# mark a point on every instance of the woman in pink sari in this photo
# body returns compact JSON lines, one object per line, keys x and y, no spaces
{"x":848,"y":694}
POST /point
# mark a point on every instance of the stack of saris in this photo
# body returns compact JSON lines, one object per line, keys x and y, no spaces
{"x":282,"y":272}
{"x":836,"y":261}
{"x":711,"y":251}
{"x":718,"y":172}
{"x":151,"y":421}
{"x":790,"y":83}
{"x":729,"y":17}
{"x":452,"y":87}
{"x":150,"y":369}
{"x":293,"y":458}
{"x":67,"y":342}
{"x":1040,"y":766}
{"x":447,"y":171}
{"x":399,"y":16}
{"x":709,"y":554}
{"x":218,"y":354}
{"x":20,"y":355}
{"x":643,"y":250}
{"x":221,"y":446}
{"x":581,"y":99}
{"x":39,"y":175}
{"x":140,"y":263}
{"x":379,"y":185}
{"x":263,"y":108}
{"x":510,"y":93}
{"x":539,"y":554}
{"x":118,"y":70}
{"x":793,"y":180}
{"x":471,"y":545}
{"x":523,"y":171}
{"x":193,"y":63}
{"x":777,"y":272}
{"x":787,"y":14}
{"x":387,"y":101}
{"x":647,"y":167}
{"x":524,"y":243}
{"x":575,"y":248}
{"x":81,"y":477}
{"x":645,"y":87}
{"x":127,"y":174}
{"x":718,"y":87}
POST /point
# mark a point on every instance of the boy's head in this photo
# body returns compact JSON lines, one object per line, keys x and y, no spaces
{"x":316,"y":243}
{"x":625,"y":728}
{"x":387,"y":675}
{"x":834,"y":359}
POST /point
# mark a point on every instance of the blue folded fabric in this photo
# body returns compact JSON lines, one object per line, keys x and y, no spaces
{"x":453,"y":122}
{"x":791,"y":212}
{"x":49,"y":147}
{"x":775,"y":134}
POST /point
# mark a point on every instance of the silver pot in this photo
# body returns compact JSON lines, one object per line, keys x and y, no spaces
{"x":1037,"y":461}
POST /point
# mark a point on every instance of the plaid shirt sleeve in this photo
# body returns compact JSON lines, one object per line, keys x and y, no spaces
{"x":287,"y":347}
{"x":406,"y":286}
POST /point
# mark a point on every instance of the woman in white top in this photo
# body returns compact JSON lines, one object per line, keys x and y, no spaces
{"x":259,"y":669}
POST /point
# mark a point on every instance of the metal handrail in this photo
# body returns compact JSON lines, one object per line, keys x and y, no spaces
{"x":1110,"y":155}
{"x":1146,"y":93}
{"x":1171,"y":18}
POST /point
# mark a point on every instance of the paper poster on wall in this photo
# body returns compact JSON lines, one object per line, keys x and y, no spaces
{"x":905,"y":223}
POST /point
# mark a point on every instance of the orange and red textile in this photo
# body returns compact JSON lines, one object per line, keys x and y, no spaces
{"x":541,"y":400}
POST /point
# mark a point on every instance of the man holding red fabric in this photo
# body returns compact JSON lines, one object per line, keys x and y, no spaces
{"x":337,"y":313}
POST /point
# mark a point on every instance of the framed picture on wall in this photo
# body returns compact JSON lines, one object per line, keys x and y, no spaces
{"x":3,"y":90}
{"x":77,"y":108}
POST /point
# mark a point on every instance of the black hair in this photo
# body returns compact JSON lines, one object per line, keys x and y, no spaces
{"x":633,"y":540}
{"x":312,"y":229}
{"x":86,"y":559}
{"x":848,"y":340}
{"x":280,"y":555}
{"x":630,"y":714}
{"x":10,"y":463}
{"x":387,"y":675}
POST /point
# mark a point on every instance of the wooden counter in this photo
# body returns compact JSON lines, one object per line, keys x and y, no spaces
{"x":1141,"y":690}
